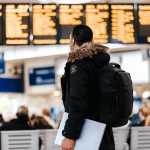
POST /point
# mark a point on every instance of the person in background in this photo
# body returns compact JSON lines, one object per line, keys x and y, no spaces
{"x":136,"y":104}
{"x":39,"y":122}
{"x":47,"y":116}
{"x":142,"y":118}
{"x":1,"y":120}
{"x":20,"y":123}
{"x":139,"y":119}
{"x":147,"y":120}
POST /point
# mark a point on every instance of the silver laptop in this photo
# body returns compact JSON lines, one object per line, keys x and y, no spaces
{"x":91,"y":134}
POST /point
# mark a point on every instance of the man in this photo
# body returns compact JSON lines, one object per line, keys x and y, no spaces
{"x":20,"y":123}
{"x":79,"y":86}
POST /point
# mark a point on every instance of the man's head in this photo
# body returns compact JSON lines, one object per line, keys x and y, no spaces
{"x":80,"y":35}
{"x":22,"y":113}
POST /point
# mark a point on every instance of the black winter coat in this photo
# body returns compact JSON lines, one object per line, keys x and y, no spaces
{"x":79,"y":91}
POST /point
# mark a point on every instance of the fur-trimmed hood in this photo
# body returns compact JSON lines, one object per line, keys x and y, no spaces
{"x":96,"y":51}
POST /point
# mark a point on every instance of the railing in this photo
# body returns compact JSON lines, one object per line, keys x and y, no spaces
{"x":29,"y":140}
{"x":20,"y":140}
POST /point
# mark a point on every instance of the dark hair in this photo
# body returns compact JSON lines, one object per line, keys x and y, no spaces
{"x":22,"y":113}
{"x":82,"y":34}
{"x":40,"y":123}
{"x":23,"y":117}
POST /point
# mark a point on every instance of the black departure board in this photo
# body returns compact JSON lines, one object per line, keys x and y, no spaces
{"x":44,"y":24}
{"x":48,"y":23}
{"x":17,"y":24}
{"x":1,"y":25}
{"x":97,"y":17}
{"x":69,"y":16}
{"x":122,"y":24}
{"x":143,"y":34}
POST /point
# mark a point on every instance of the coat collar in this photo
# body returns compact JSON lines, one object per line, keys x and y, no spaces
{"x":87,"y":50}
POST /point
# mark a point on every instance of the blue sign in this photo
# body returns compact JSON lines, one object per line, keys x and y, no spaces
{"x":11,"y":85}
{"x":2,"y":63}
{"x":42,"y":76}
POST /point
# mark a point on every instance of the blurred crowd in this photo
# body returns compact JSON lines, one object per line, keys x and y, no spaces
{"x":142,"y":116}
{"x":22,"y":121}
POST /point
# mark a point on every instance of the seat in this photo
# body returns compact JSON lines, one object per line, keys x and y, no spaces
{"x":140,"y":138}
{"x":120,"y":137}
{"x":20,"y":140}
{"x":48,"y":139}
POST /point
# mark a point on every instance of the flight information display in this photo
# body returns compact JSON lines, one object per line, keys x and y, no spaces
{"x":44,"y":24}
{"x":49,"y":23}
{"x":143,"y":23}
{"x":69,"y":16}
{"x":1,"y":24}
{"x":17,"y":24}
{"x":122,"y":23}
{"x":97,"y":17}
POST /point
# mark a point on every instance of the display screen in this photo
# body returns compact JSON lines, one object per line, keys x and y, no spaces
{"x":44,"y":24}
{"x":17,"y":24}
{"x":1,"y":34}
{"x":122,"y":23}
{"x":69,"y":16}
{"x":97,"y":17}
{"x":143,"y":23}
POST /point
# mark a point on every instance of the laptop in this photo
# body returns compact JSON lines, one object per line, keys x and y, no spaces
{"x":91,"y":134}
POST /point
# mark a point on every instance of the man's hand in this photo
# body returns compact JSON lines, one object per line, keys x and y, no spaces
{"x":68,"y":144}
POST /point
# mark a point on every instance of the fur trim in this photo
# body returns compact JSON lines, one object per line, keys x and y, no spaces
{"x":87,"y":50}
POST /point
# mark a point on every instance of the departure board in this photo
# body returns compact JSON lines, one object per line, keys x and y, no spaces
{"x":122,"y":23}
{"x":97,"y":17}
{"x":1,"y":35}
{"x":44,"y":24}
{"x":69,"y":16}
{"x":143,"y":23}
{"x":17,"y":24}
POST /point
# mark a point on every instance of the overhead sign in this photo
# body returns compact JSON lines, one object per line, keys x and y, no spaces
{"x":17,"y":24}
{"x":44,"y":24}
{"x":11,"y":85}
{"x":12,"y":79}
{"x":97,"y":17}
{"x":69,"y":16}
{"x":122,"y":24}
{"x":143,"y":23}
{"x":2,"y":63}
{"x":42,"y":76}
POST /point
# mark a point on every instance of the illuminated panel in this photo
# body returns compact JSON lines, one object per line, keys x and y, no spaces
{"x":44,"y":24}
{"x":0,"y":24}
{"x":69,"y":16}
{"x":122,"y":23}
{"x":17,"y":24}
{"x":144,"y":23}
{"x":97,"y":17}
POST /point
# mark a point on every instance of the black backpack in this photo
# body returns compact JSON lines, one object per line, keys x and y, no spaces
{"x":115,"y":92}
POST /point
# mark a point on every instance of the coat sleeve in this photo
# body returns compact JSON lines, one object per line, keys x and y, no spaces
{"x":78,"y":101}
